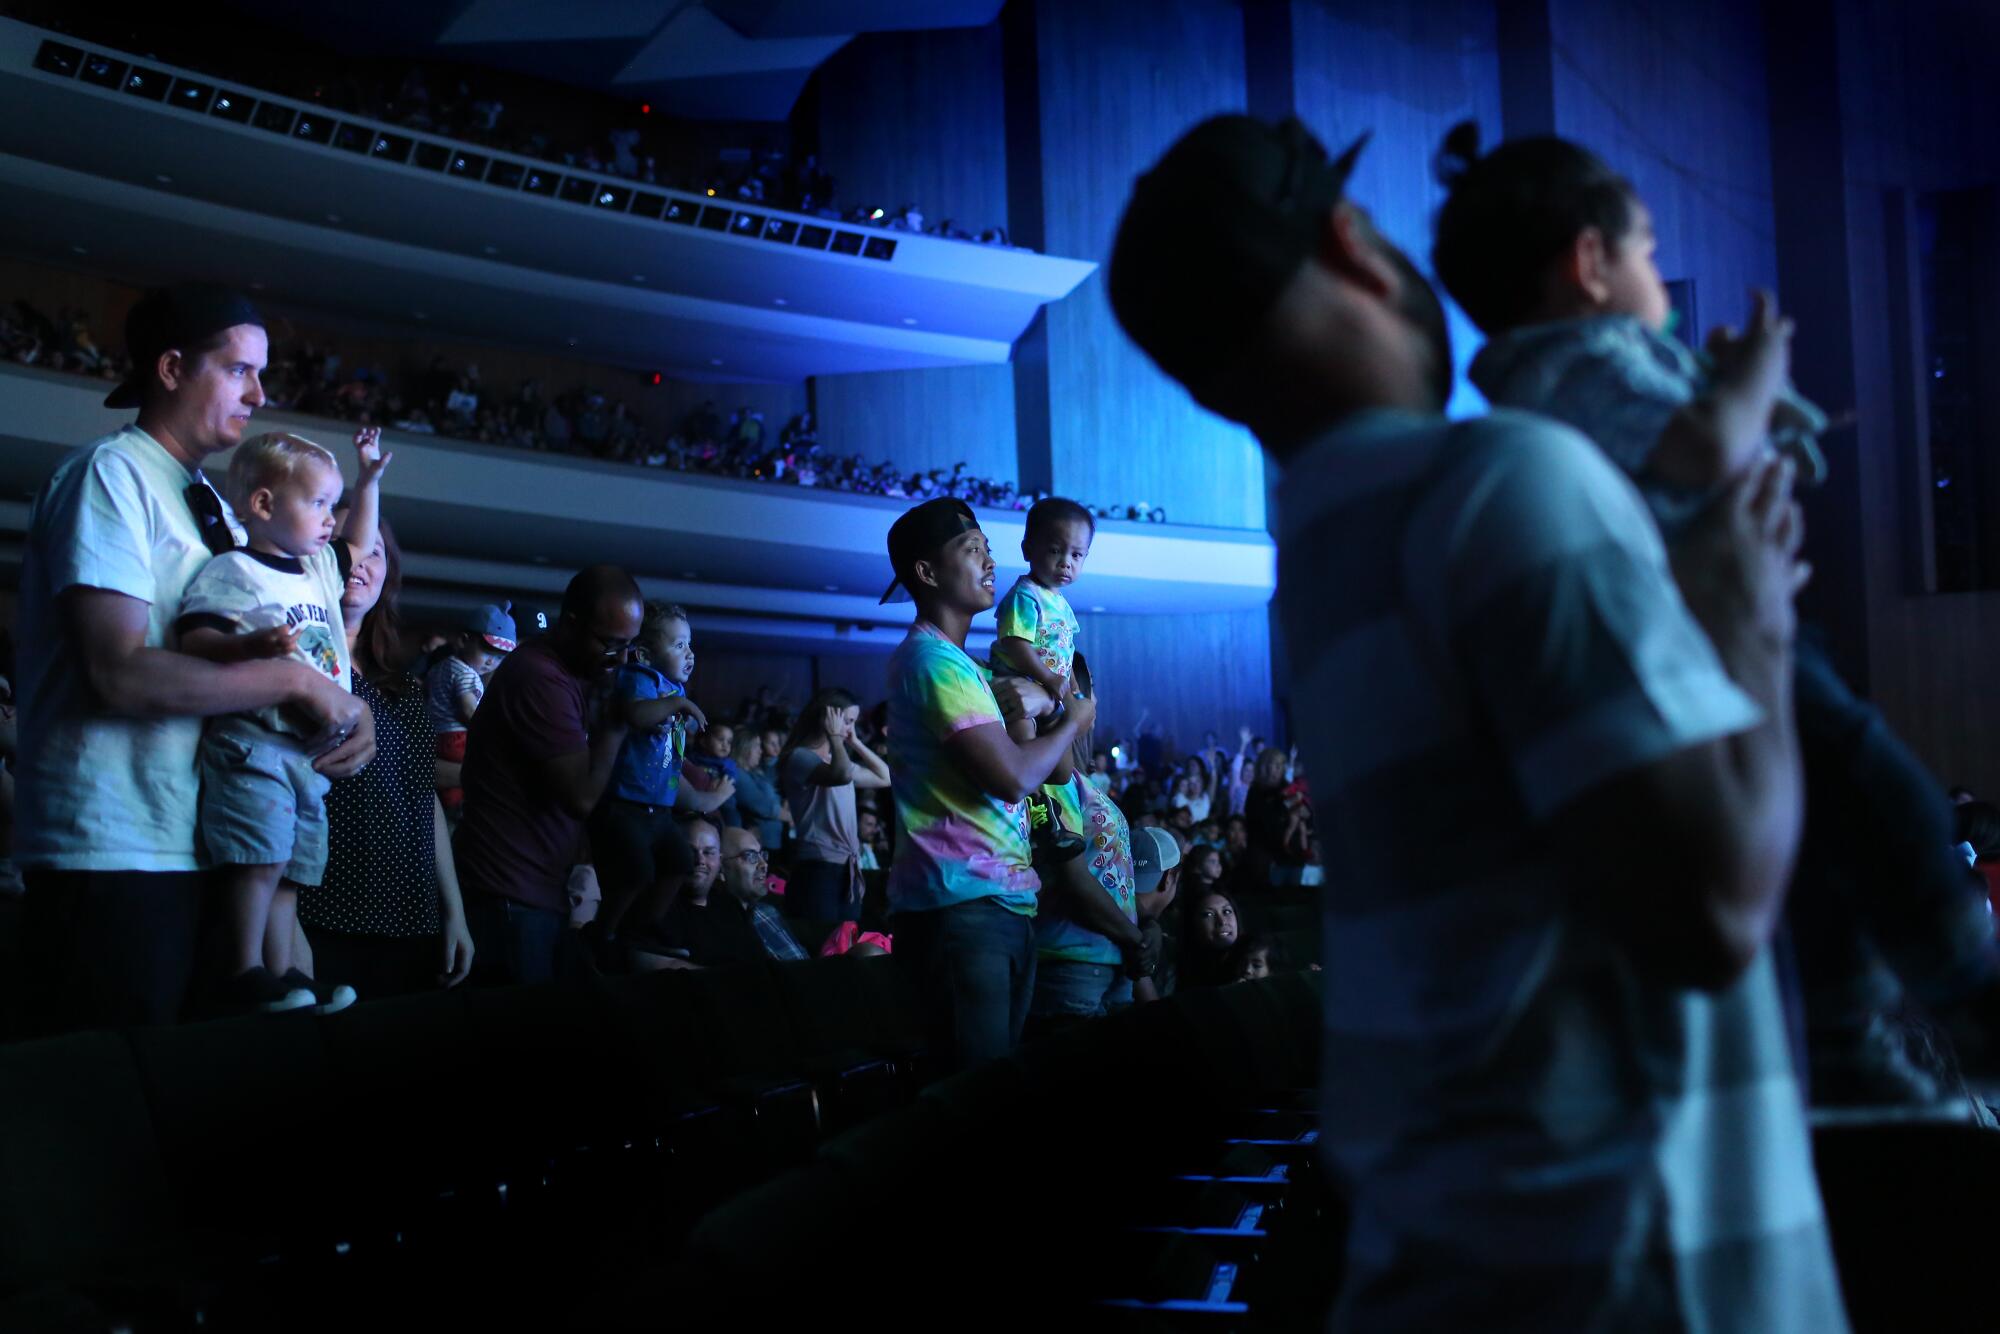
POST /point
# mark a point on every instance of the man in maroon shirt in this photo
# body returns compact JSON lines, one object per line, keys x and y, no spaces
{"x":533,"y":771}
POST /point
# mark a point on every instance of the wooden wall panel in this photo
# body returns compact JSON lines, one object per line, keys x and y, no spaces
{"x":919,"y":117}
{"x":725,"y":677}
{"x":1187,"y":674}
{"x":1673,"y":95}
{"x":1918,"y":103}
{"x":915,"y":118}
{"x":1119,"y":83}
{"x":1404,"y":74}
{"x":923,"y":419}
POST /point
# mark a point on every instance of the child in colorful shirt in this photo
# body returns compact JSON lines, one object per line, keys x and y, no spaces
{"x":1037,"y":631}
{"x":1035,"y":625}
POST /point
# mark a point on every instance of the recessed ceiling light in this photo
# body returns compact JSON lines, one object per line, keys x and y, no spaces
{"x":1097,"y":609}
{"x":909,"y":319}
{"x":833,"y":588}
{"x":571,"y":340}
{"x":779,"y":301}
{"x":539,"y":560}
{"x":638,"y":277}
{"x":164,"y":179}
{"x":690,"y":574}
{"x":333,"y":217}
{"x":78,"y":250}
{"x":491,"y":249}
{"x":715,"y":361}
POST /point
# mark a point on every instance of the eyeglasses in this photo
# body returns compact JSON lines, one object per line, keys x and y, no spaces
{"x":206,"y":507}
{"x":757,"y":856}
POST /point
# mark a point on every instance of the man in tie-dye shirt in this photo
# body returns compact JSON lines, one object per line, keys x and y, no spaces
{"x":962,"y":890}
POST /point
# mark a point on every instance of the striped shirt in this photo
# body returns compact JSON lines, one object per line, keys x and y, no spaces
{"x":1482,"y":627}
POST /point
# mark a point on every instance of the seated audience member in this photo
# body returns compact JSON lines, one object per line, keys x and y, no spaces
{"x":657,"y":940}
{"x":387,"y":916}
{"x":263,"y":805}
{"x":1257,"y":957}
{"x":821,"y":766}
{"x":1156,"y":872}
{"x":1204,"y":867}
{"x":110,"y":716}
{"x":1278,"y":823}
{"x":1209,"y":930}
{"x":1192,"y":794}
{"x":636,"y":840}
{"x":874,"y":849}
{"x":716,"y":920}
{"x":1535,"y":1088}
{"x":455,"y":682}
{"x":708,"y":769}
{"x":757,"y":800}
{"x":534,"y":771}
{"x":963,"y":890}
{"x":746,"y":878}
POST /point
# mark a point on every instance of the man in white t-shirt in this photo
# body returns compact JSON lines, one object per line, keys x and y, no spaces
{"x":110,"y":715}
{"x":1556,"y":1079}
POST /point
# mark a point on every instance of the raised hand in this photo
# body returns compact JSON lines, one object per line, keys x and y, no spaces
{"x":1760,"y":357}
{"x":835,"y":722}
{"x":368,"y":448}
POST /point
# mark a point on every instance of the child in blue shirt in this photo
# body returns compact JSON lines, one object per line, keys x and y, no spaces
{"x":1551,"y":254}
{"x":635,"y":842}
{"x":1037,"y":631}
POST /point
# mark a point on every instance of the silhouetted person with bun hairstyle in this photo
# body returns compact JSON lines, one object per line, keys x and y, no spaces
{"x":1540,"y":1052}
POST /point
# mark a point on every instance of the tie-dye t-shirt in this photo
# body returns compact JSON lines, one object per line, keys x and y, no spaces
{"x":956,"y":843}
{"x":1108,"y":854}
{"x":1041,"y":616}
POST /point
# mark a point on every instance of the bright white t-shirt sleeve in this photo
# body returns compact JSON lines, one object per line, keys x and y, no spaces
{"x":99,"y":532}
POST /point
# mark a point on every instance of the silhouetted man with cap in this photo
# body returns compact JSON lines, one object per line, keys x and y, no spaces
{"x":109,"y":715}
{"x":1557,"y":1079}
{"x":962,"y":889}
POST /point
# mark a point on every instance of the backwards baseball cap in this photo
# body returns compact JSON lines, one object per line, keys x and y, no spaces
{"x":919,"y":533}
{"x":493,"y":625}
{"x":1213,"y":233}
{"x":1154,"y":853}
{"x":175,"y":317}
